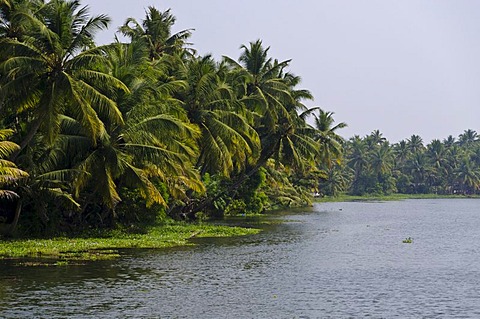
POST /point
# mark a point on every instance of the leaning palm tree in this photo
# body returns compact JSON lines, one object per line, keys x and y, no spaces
{"x":48,"y":73}
{"x":272,"y":102}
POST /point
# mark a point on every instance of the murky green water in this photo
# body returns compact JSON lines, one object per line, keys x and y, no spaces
{"x":336,"y":260}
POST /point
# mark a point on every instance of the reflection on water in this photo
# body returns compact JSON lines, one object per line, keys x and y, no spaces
{"x":335,"y":260}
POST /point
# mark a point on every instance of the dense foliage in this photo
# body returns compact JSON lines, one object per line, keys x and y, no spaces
{"x":129,"y":132}
{"x":132,"y":132}
{"x":373,"y":166}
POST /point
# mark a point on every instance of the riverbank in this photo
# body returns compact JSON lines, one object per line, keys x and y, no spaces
{"x":62,"y":250}
{"x":392,"y":197}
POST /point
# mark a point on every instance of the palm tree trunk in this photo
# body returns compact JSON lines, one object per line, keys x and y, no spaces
{"x":28,"y":138}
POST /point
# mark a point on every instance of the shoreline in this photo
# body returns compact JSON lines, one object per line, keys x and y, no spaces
{"x":64,"y":250}
{"x":392,"y":197}
{"x":59,"y":251}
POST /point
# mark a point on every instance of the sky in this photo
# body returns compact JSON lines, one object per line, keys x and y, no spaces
{"x":400,"y":66}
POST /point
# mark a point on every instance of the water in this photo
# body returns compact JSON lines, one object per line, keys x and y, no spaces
{"x":335,"y":260}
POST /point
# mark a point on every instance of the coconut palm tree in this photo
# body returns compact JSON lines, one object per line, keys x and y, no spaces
{"x":375,"y":138}
{"x":330,"y":142}
{"x":467,"y":138}
{"x":401,"y":153}
{"x":335,"y":182}
{"x":48,"y":73}
{"x":382,"y":159}
{"x":467,"y":176}
{"x":155,"y":144}
{"x":449,"y":141}
{"x":276,"y":101}
{"x":417,"y":168}
{"x":437,"y":156}
{"x":156,"y":32}
{"x":415,"y":143}
{"x":264,"y":82}
{"x":228,"y":142}
{"x":357,"y":154}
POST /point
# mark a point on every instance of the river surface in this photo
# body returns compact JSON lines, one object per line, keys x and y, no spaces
{"x":335,"y":260}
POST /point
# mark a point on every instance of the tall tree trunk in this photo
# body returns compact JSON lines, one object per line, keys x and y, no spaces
{"x":28,"y":138}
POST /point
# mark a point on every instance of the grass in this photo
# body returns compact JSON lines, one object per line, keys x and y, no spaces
{"x":65,"y":249}
{"x":392,"y":197}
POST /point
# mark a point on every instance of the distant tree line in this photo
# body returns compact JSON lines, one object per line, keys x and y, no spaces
{"x":371,"y":165}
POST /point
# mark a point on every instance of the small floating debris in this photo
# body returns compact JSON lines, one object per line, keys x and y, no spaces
{"x":407,"y":240}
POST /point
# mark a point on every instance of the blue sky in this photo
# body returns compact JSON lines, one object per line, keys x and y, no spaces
{"x":404,"y":67}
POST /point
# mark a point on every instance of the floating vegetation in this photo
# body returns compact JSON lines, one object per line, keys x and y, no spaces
{"x":407,"y":240}
{"x":63,"y":250}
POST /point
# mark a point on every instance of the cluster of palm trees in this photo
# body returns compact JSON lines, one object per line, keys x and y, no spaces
{"x":88,"y":130}
{"x":373,"y":166}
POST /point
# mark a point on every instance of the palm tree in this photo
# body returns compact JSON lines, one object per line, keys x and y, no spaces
{"x":375,"y":138}
{"x":335,"y":182}
{"x":48,"y":74}
{"x":449,"y":141}
{"x":401,"y":153}
{"x":270,"y":92}
{"x":382,"y":159}
{"x":272,"y":102}
{"x":417,"y":168}
{"x":155,"y":144}
{"x":156,"y":31}
{"x":357,"y":155}
{"x":415,"y":143}
{"x":467,"y":138}
{"x":437,"y":154}
{"x":330,"y":142}
{"x":298,"y":147}
{"x":467,"y":176}
{"x":228,"y":142}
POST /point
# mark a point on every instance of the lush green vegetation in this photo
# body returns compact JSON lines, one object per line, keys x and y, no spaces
{"x":105,"y":245}
{"x":144,"y":130}
{"x":373,"y":166}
